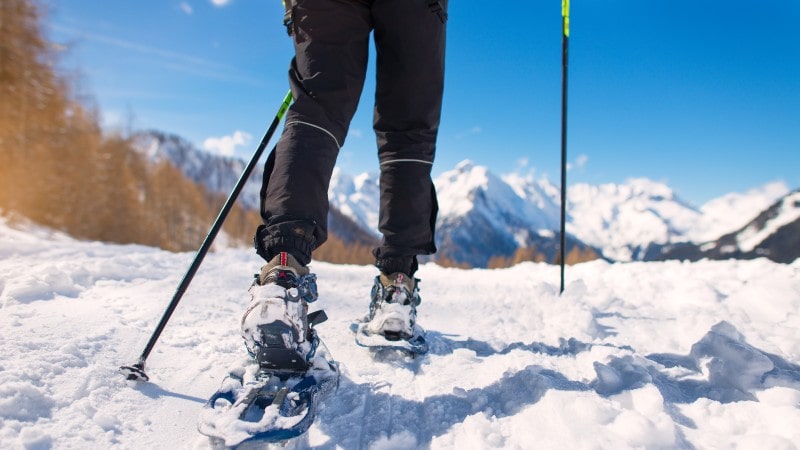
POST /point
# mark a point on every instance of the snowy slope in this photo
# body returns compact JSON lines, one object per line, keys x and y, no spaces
{"x":733,"y":211}
{"x":624,"y":219}
{"x":539,"y":192}
{"x":637,"y":355}
{"x":774,"y":234}
{"x":782,"y":214}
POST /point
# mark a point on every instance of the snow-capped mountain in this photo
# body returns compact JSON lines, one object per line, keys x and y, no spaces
{"x":634,"y":220}
{"x":217,"y":173}
{"x":733,"y":211}
{"x":483,"y":215}
{"x":480,"y":214}
{"x":774,"y":234}
{"x":539,"y":192}
{"x":625,"y":219}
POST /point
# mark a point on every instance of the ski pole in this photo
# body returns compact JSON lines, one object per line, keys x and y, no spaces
{"x":136,"y":371}
{"x":564,"y":64}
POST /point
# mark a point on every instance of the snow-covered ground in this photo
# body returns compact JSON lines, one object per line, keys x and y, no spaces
{"x":637,"y":355}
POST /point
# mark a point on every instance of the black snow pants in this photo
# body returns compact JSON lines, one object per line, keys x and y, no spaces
{"x":331,"y":39}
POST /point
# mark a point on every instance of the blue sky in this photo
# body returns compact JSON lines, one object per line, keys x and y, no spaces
{"x":703,"y":95}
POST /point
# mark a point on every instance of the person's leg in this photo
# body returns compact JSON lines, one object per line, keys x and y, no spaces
{"x":410,"y":43}
{"x":331,"y":39}
{"x":409,"y":39}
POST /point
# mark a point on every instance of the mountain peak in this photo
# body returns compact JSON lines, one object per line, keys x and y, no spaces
{"x":624,"y":219}
{"x":465,"y":166}
{"x":646,"y":187}
{"x":460,"y":188}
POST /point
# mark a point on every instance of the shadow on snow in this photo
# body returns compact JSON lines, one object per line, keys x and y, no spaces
{"x":721,"y":367}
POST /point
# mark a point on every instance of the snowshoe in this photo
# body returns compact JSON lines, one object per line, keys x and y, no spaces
{"x":275,"y":395}
{"x":391,"y":322}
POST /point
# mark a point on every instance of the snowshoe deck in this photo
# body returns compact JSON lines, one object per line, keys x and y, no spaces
{"x":415,"y":345}
{"x":255,"y":405}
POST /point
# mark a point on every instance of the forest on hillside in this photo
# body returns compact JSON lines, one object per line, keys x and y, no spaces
{"x":58,"y":167}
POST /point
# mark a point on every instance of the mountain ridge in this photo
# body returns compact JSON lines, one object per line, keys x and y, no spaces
{"x":483,"y":215}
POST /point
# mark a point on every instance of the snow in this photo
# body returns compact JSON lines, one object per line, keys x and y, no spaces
{"x":632,"y":355}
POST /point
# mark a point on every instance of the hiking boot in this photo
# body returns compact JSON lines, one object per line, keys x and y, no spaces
{"x":275,"y":326}
{"x":393,"y":307}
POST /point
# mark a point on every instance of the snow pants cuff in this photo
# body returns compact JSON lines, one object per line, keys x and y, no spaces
{"x":294,"y":237}
{"x":407,"y":265}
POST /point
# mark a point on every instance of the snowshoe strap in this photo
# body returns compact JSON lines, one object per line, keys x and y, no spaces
{"x":317,"y":317}
{"x":280,"y":396}
{"x":281,"y":360}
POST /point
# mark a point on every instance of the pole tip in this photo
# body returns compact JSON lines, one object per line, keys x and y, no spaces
{"x":134,"y":372}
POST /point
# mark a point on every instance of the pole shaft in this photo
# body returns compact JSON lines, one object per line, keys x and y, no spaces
{"x":564,"y":66}
{"x":215,"y":228}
